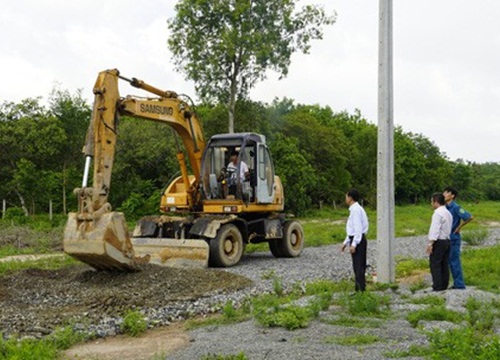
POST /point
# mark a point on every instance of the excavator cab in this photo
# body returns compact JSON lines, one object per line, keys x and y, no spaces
{"x":238,"y":167}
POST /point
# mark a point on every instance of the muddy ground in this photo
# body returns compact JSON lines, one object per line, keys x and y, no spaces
{"x":33,"y":302}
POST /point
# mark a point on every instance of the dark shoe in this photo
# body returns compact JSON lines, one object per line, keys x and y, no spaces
{"x":457,"y":288}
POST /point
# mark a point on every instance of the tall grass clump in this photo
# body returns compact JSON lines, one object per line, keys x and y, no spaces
{"x":475,"y":237}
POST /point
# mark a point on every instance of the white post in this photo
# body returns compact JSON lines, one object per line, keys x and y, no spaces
{"x":4,"y":208}
{"x":385,"y":157}
{"x":50,"y":210}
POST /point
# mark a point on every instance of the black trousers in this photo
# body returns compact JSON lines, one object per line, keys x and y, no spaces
{"x":438,"y":262}
{"x":359,"y":264}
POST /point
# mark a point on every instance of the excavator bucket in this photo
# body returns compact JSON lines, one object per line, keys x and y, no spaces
{"x":173,"y":252}
{"x":102,"y":243}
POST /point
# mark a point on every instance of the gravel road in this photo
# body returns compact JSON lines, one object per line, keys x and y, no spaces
{"x":326,"y":262}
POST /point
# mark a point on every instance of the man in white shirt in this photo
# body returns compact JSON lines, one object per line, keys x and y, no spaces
{"x":438,"y":247}
{"x":356,"y":229}
{"x":232,"y":167}
{"x":234,"y":177}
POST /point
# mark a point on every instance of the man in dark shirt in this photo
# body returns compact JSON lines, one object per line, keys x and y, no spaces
{"x":460,"y":219}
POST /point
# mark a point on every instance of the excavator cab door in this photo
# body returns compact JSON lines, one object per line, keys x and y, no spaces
{"x":265,"y":176}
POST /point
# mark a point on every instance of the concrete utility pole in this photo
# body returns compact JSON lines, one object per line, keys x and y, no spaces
{"x":385,"y":153}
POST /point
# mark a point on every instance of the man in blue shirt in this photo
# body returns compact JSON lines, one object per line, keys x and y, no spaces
{"x":460,"y":219}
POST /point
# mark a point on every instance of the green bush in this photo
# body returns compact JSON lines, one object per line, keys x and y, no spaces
{"x":133,"y":323}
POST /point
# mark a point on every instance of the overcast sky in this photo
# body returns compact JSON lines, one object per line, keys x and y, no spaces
{"x":446,"y":61}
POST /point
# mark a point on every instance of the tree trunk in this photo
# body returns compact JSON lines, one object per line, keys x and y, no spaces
{"x":23,"y":203}
{"x":232,"y":98}
{"x":64,"y":188}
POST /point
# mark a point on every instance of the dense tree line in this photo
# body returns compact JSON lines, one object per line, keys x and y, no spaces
{"x":318,"y":153}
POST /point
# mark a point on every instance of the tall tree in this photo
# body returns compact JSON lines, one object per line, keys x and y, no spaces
{"x":226,"y":46}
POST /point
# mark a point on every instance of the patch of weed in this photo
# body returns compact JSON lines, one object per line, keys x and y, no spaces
{"x":429,"y":300}
{"x":482,"y":267}
{"x":239,"y":356}
{"x":413,"y":351}
{"x":355,"y":322}
{"x":52,"y":263}
{"x":480,"y":316}
{"x":434,"y":313}
{"x":361,"y":339}
{"x":407,"y":267}
{"x":418,"y":286}
{"x":475,"y":237}
{"x":463,"y":344}
{"x":43,"y":349}
{"x":366,"y":303}
{"x":133,"y":323}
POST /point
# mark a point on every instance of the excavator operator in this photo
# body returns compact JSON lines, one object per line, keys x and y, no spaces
{"x":230,"y":173}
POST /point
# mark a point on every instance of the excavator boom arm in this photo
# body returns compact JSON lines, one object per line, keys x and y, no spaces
{"x":95,"y":234}
{"x":102,"y":133}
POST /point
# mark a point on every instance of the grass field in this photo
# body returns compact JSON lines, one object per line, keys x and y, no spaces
{"x":327,"y":226}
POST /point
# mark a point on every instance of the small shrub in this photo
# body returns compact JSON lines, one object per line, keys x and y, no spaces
{"x":133,"y":323}
{"x":475,"y":237}
{"x":17,"y":214}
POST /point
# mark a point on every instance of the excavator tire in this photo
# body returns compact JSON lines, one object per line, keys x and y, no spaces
{"x":292,"y":242}
{"x":226,"y":248}
{"x":275,"y":248}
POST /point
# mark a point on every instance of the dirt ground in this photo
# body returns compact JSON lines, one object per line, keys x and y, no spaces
{"x":158,"y":342}
{"x":33,"y":302}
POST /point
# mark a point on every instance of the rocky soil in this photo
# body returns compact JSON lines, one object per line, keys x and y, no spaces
{"x":33,"y":302}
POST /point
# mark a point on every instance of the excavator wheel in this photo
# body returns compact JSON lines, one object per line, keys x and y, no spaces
{"x":226,"y":248}
{"x":274,"y":246}
{"x":292,"y":242}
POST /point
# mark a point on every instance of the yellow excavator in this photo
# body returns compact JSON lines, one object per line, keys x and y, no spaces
{"x":232,"y":197}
